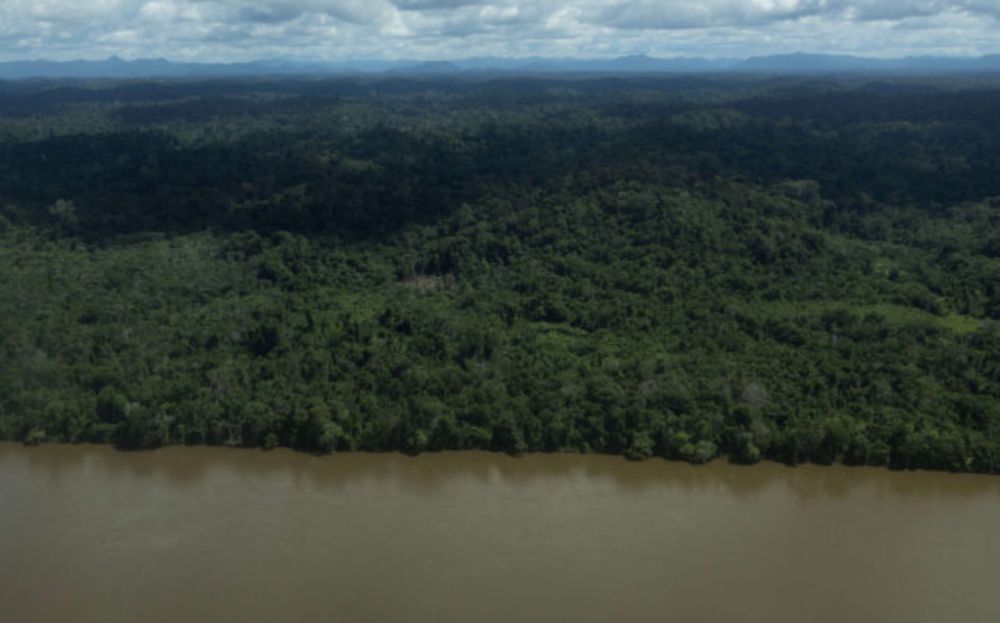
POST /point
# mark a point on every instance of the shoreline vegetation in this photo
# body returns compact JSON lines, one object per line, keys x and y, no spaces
{"x":801,"y":270}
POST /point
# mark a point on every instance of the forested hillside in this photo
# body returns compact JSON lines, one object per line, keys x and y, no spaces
{"x":798,"y":270}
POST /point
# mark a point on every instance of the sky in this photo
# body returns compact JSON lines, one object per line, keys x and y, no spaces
{"x":241,"y":30}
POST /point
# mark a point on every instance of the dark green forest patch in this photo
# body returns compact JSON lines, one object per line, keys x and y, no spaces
{"x":750,"y":270}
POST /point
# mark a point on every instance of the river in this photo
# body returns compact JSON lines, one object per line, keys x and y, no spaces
{"x":201,"y":534}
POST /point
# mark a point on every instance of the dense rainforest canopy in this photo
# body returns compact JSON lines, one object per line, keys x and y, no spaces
{"x":683,"y":267}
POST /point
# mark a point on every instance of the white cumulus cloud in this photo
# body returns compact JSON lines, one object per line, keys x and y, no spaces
{"x":222,"y":30}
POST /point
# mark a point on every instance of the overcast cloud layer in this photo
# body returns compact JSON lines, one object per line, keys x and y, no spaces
{"x":233,"y":30}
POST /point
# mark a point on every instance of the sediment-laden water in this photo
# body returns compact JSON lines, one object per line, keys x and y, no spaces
{"x":198,"y":534}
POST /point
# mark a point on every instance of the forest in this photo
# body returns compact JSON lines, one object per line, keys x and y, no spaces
{"x":693,"y":267}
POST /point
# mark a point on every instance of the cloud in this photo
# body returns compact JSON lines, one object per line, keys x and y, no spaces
{"x":327,"y":29}
{"x":277,"y":11}
{"x":686,"y":14}
{"x":435,"y":5}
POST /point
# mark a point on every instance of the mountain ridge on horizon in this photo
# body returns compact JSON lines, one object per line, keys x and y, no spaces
{"x":791,"y":63}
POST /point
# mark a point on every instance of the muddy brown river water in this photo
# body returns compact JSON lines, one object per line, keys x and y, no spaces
{"x":197,"y":534}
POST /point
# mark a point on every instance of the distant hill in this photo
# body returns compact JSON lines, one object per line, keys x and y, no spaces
{"x":429,"y":67}
{"x":824,"y":63}
{"x":116,"y":67}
